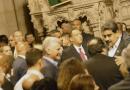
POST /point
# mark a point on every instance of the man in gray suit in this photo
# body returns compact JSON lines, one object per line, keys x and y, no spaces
{"x":20,"y":65}
{"x":52,"y":53}
{"x":124,"y":84}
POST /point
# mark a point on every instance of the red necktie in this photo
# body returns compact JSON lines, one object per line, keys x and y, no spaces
{"x":82,"y":55}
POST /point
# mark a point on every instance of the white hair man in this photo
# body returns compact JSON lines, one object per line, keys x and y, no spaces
{"x":52,"y":50}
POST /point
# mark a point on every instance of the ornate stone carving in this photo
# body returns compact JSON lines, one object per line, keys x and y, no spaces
{"x":97,"y":12}
{"x":37,"y":22}
{"x":34,"y":6}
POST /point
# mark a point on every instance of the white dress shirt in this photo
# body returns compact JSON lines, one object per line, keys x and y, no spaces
{"x":112,"y":50}
{"x":1,"y":88}
{"x":51,"y":60}
{"x":19,"y":86}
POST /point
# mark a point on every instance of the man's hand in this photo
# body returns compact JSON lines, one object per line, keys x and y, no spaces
{"x":122,"y":65}
{"x":119,"y":60}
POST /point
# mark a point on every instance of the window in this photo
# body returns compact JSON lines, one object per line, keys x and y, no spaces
{"x":55,"y":3}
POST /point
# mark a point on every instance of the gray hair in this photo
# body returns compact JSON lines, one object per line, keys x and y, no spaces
{"x":49,"y":41}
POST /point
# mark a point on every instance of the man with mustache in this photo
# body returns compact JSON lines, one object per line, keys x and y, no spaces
{"x":114,"y":38}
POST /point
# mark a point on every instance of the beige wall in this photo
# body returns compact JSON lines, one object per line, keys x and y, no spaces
{"x":8,"y":20}
{"x":7,"y":17}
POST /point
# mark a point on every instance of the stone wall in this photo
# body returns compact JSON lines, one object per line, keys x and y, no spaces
{"x":12,"y":16}
{"x":97,"y":12}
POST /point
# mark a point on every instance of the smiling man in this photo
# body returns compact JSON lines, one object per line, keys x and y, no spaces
{"x":52,"y":53}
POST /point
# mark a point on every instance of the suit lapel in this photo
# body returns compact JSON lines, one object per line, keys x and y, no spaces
{"x":120,"y":47}
{"x":86,"y":50}
{"x":50,"y":64}
{"x":75,"y":53}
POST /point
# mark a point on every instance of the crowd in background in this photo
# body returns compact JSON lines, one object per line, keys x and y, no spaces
{"x":67,"y":58}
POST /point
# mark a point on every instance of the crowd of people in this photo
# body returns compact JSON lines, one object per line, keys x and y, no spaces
{"x":68,"y":58}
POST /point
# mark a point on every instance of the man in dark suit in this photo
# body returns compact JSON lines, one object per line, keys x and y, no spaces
{"x":124,"y":84}
{"x":114,"y":38}
{"x":77,"y":49}
{"x":52,"y":49}
{"x":103,"y":68}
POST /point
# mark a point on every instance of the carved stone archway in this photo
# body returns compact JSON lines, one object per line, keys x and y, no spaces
{"x":54,"y":21}
{"x":87,"y":25}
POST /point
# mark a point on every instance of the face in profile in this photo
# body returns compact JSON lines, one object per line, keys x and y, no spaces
{"x":7,"y":50}
{"x":55,"y":51}
{"x":11,"y":41}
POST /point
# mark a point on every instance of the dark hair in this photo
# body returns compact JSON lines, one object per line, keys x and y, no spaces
{"x":82,"y":82}
{"x":59,"y":23}
{"x":45,"y":84}
{"x":3,"y":39}
{"x":67,"y":70}
{"x":32,"y":56}
{"x":28,"y":34}
{"x":110,"y":25}
{"x":95,"y":46}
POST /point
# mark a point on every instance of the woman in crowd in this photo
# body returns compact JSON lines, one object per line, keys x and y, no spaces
{"x":82,"y":82}
{"x":67,"y":70}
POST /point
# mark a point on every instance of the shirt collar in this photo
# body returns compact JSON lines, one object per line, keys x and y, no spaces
{"x":22,"y":56}
{"x":50,"y":60}
{"x":117,"y":42}
{"x":77,"y":48}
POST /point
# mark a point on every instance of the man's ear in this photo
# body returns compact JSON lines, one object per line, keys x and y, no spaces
{"x":40,"y":62}
{"x":48,"y":51}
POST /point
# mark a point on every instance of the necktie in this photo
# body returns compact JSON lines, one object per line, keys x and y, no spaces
{"x":82,"y":55}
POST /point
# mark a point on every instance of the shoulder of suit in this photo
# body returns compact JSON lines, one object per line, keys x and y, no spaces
{"x":67,"y":49}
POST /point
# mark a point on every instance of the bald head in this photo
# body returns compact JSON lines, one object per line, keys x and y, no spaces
{"x":18,"y":36}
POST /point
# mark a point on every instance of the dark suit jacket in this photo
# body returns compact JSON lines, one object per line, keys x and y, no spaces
{"x":19,"y":69}
{"x":7,"y":85}
{"x":125,"y":40}
{"x":122,"y":85}
{"x":87,"y":37}
{"x":71,"y":52}
{"x":50,"y":70}
{"x":104,"y":70}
